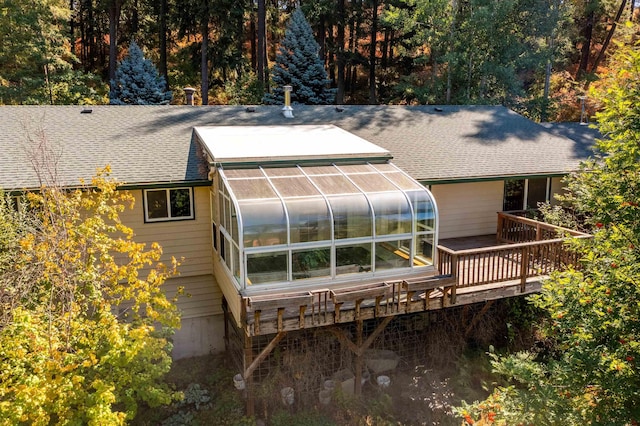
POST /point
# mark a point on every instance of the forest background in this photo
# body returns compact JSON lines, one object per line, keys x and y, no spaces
{"x":537,"y":57}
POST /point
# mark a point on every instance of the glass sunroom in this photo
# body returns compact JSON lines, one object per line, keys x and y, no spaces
{"x":293,"y":224}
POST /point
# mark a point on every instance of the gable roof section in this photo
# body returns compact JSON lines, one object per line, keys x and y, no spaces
{"x":156,"y":145}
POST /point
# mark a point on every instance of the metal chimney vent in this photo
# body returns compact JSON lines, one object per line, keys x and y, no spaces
{"x":287,"y":111}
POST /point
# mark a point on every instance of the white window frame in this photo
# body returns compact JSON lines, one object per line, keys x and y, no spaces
{"x":169,"y":218}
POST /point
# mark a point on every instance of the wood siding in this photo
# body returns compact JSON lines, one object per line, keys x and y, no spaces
{"x":557,"y":187}
{"x":468,"y":209}
{"x":190,"y":242}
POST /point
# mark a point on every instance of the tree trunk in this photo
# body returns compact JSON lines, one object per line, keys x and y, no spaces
{"x":340,"y":53}
{"x":204,"y":60}
{"x":372,"y":54}
{"x":609,"y":36}
{"x":252,"y":38}
{"x":114,"y":18}
{"x":587,"y":33}
{"x":262,"y":41}
{"x":163,"y":42}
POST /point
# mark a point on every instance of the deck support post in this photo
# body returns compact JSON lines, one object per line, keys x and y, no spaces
{"x":250,"y":364}
{"x":248,"y":378}
{"x":357,"y":381}
{"x":524,"y":269}
{"x":360,"y":346}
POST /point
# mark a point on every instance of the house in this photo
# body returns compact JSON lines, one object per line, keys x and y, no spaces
{"x":271,"y":212}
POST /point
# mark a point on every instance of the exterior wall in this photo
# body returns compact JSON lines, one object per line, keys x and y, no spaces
{"x":557,"y":187}
{"x":189,"y":241}
{"x":468,"y":209}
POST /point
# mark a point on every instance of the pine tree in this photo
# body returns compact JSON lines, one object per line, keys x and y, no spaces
{"x":137,"y":81}
{"x":298,"y":65}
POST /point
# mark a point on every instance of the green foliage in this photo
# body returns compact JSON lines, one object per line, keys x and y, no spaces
{"x":137,"y":81}
{"x":298,"y":65}
{"x":36,"y":65}
{"x":590,"y":374}
{"x":84,"y":324}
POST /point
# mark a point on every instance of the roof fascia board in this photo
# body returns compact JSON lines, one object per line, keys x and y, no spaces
{"x":489,"y":178}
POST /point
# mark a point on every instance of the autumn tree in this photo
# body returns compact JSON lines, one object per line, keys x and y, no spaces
{"x":36,"y":65}
{"x":589,"y":372}
{"x":84,"y":323}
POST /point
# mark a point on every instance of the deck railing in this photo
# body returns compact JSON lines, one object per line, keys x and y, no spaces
{"x":530,"y":248}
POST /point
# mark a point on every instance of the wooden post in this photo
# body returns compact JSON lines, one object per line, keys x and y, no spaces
{"x":524,"y":269}
{"x":357,"y":390}
{"x":248,"y":379}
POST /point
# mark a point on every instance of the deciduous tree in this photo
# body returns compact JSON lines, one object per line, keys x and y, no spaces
{"x":84,"y":324}
{"x":590,"y":373}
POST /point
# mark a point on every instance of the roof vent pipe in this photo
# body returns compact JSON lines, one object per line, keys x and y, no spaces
{"x":287,"y":111}
{"x":188,"y":92}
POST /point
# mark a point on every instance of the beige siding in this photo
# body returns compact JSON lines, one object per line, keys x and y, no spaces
{"x":557,"y":187}
{"x":467,"y":209}
{"x":190,"y":242}
{"x":201,"y":295}
{"x":186,"y":240}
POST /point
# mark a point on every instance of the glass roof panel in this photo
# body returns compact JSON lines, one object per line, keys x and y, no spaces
{"x":385,"y":167}
{"x":356,"y":168}
{"x":242,"y":173}
{"x":321,"y":170}
{"x":282,"y":171}
{"x":372,"y":182}
{"x":250,"y":189}
{"x":335,"y":185}
{"x":294,"y":187}
{"x":403,"y":181}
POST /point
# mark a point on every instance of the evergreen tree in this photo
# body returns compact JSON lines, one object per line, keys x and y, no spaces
{"x":137,"y":81}
{"x":298,"y":65}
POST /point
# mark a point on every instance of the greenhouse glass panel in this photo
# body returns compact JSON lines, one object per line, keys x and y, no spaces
{"x":251,"y":189}
{"x":267,"y":267}
{"x":423,"y":250}
{"x":356,"y":168}
{"x":353,"y":259}
{"x":311,"y":263}
{"x":392,"y":254}
{"x":404,"y":182}
{"x":335,"y":185}
{"x":283,"y":171}
{"x":373,"y":182}
{"x":243,"y":173}
{"x":294,"y":187}
{"x":234,"y":224}
{"x":392,"y":211}
{"x":423,"y":209}
{"x":351,"y":216}
{"x":265,"y":223}
{"x":236,"y":261}
{"x":321,"y":170}
{"x":309,"y":219}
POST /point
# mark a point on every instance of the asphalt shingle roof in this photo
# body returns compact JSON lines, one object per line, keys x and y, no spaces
{"x":155,"y":144}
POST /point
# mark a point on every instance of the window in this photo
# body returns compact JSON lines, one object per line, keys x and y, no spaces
{"x":524,"y":194}
{"x":168,"y":204}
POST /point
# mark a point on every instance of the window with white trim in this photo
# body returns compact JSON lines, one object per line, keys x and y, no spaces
{"x":168,"y":204}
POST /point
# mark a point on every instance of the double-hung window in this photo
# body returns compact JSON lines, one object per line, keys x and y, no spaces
{"x":168,"y":204}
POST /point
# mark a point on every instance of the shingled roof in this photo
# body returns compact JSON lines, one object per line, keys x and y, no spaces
{"x":155,"y":145}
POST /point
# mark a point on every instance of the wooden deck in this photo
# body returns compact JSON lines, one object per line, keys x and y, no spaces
{"x":482,"y":268}
{"x":469,"y":270}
